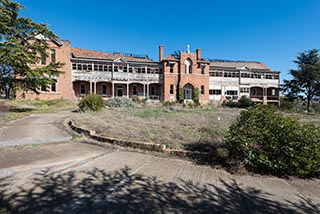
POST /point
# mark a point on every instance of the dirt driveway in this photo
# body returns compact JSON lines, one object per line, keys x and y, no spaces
{"x":35,"y":129}
{"x":75,"y":177}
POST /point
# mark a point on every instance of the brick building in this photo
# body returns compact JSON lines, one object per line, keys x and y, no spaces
{"x":127,"y":75}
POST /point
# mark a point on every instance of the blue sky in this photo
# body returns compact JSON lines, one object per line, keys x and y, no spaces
{"x":269,"y":31}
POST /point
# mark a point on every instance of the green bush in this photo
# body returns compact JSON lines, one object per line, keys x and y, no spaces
{"x":136,"y":99}
{"x":244,"y":102}
{"x":270,"y":142}
{"x":230,"y":104}
{"x":180,"y":95}
{"x":92,"y":102}
{"x":196,"y":96}
{"x":119,"y":102}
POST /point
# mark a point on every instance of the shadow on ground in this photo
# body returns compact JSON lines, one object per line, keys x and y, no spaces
{"x":97,"y":191}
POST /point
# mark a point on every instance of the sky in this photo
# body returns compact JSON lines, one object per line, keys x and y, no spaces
{"x":269,"y":31}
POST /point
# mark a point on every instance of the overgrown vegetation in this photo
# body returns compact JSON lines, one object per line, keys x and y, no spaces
{"x":271,"y":142}
{"x":196,"y":98}
{"x":92,"y":102}
{"x":172,"y":125}
{"x":243,"y":102}
{"x":120,"y":102}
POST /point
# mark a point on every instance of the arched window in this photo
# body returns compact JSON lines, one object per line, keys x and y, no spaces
{"x":188,"y":91}
{"x":188,"y":64}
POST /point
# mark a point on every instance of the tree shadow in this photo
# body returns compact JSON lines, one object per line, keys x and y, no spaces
{"x":98,"y":191}
{"x":20,"y":109}
{"x":210,"y":153}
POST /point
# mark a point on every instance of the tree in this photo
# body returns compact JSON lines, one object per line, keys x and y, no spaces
{"x":306,"y":79}
{"x":22,"y":43}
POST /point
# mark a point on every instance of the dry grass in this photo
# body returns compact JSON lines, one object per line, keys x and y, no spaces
{"x":174,"y":128}
{"x":309,"y":118}
{"x":14,"y":109}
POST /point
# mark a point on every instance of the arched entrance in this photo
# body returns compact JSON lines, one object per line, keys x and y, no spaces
{"x":188,"y":91}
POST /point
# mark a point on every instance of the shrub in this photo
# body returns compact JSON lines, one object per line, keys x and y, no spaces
{"x":180,"y":95}
{"x":230,"y":104}
{"x":195,"y":97}
{"x":92,"y":102}
{"x":136,"y":99}
{"x":270,"y":142}
{"x":118,"y":102}
{"x":244,"y":102}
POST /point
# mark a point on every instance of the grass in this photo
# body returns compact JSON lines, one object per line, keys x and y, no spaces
{"x":14,"y":109}
{"x":172,"y":127}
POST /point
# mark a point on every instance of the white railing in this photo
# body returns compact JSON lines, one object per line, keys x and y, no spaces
{"x":120,"y":76}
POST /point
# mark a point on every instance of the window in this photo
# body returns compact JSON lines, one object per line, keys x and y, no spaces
{"x":90,"y":67}
{"x":231,"y":92}
{"x":53,"y":87}
{"x":153,"y":90}
{"x":203,"y":67}
{"x":244,"y":90}
{"x":43,"y":59}
{"x":188,"y":64}
{"x":273,"y":92}
{"x":202,"y":89}
{"x":134,"y":90}
{"x":171,"y":89}
{"x":74,"y":66}
{"x":171,"y":68}
{"x":43,"y":88}
{"x":215,"y":91}
{"x":82,"y":89}
{"x":53,"y":55}
{"x":79,"y":67}
{"x":215,"y":73}
{"x":104,"y":89}
{"x":254,"y":92}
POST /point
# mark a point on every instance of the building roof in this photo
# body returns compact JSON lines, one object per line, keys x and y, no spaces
{"x":239,"y":64}
{"x":92,"y":54}
{"x":171,"y":58}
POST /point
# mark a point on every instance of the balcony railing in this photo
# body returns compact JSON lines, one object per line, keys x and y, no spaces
{"x":117,"y":76}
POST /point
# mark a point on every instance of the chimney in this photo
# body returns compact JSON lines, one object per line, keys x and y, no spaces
{"x":161,"y":53}
{"x":198,"y":51}
{"x":118,"y":54}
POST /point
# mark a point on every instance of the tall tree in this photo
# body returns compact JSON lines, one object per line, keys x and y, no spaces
{"x":22,"y":43}
{"x":306,"y":78}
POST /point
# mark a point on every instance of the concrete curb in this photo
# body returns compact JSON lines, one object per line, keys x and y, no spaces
{"x":101,"y":141}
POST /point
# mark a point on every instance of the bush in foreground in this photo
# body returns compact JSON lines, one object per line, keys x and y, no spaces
{"x":92,"y":102}
{"x":119,"y":102}
{"x":269,"y":142}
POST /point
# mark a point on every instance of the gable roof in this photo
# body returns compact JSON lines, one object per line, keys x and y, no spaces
{"x":92,"y":54}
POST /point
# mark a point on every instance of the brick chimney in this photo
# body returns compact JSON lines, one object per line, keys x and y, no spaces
{"x":161,"y":53}
{"x":198,"y":52}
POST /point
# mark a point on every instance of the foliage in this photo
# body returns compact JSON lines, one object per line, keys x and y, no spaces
{"x":196,"y":95}
{"x":91,"y":102}
{"x":119,"y":102}
{"x":306,"y":79}
{"x":270,"y":142}
{"x":180,"y":95}
{"x":22,"y":43}
{"x":244,"y":102}
{"x":136,"y":99}
{"x":287,"y":104}
{"x":230,"y":104}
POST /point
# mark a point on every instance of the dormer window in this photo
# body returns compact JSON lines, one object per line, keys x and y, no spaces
{"x":188,"y":64}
